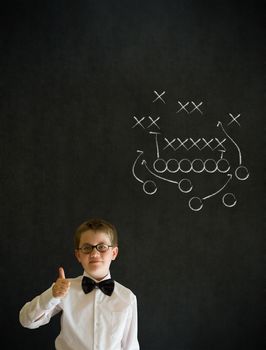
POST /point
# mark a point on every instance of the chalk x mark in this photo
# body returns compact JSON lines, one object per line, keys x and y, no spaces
{"x":196,"y":107}
{"x":138,"y":122}
{"x":153,"y":122}
{"x":183,"y":107}
{"x":234,"y":119}
{"x":159,"y":96}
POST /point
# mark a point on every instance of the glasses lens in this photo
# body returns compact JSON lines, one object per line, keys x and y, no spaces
{"x":102,"y":247}
{"x":86,"y":249}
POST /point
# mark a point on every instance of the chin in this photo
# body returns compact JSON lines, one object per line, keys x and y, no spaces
{"x":96,"y":273}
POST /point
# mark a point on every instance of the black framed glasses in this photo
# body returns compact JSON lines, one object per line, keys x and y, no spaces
{"x":88,"y":248}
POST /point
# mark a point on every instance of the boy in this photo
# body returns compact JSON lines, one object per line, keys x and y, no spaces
{"x":97,"y":313}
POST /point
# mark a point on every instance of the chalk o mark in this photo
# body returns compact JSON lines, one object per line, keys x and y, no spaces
{"x":185,"y":165}
{"x":159,"y":165}
{"x":241,"y":173}
{"x":185,"y":185}
{"x":223,"y":165}
{"x":195,"y":203}
{"x":149,"y":187}
{"x":172,"y":165}
{"x":210,"y":165}
{"x":197,"y":165}
{"x":229,"y":200}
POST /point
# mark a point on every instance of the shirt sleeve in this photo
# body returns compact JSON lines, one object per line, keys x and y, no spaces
{"x":130,"y":339}
{"x":39,"y":310}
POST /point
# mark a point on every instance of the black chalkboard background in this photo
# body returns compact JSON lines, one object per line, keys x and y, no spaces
{"x":75,"y":79}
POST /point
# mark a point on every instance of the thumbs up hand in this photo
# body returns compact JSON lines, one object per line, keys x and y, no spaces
{"x":61,"y":286}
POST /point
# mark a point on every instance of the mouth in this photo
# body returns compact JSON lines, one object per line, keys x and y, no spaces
{"x":94,"y":261}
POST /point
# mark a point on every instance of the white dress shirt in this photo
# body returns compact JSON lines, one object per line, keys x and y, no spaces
{"x":92,"y":321}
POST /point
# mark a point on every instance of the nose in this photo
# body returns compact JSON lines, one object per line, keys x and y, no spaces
{"x":94,"y":252}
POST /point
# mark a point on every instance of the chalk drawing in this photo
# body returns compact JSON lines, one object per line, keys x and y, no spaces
{"x":152,"y":122}
{"x":195,"y":107}
{"x":182,"y":168}
{"x":234,"y":119}
{"x":159,"y":96}
{"x":189,"y":143}
{"x":183,"y":107}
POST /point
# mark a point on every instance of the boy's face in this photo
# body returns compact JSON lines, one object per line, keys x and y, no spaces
{"x":96,"y":263}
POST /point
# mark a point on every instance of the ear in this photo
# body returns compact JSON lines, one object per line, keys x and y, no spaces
{"x":114,"y":253}
{"x":77,"y":254}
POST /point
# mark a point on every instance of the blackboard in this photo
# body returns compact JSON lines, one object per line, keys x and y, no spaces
{"x":151,"y":115}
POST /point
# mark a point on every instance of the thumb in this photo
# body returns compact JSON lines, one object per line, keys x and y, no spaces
{"x":61,"y":273}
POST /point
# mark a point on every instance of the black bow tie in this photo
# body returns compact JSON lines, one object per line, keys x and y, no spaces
{"x":106,"y":286}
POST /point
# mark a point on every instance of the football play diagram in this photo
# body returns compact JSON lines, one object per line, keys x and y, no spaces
{"x":179,"y":171}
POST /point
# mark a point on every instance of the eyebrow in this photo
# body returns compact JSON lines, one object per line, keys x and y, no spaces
{"x":95,"y":244}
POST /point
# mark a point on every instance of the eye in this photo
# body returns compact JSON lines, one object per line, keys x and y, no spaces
{"x":102,"y":247}
{"x":86,"y":248}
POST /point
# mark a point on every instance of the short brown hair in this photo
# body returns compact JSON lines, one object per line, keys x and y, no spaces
{"x":96,"y":225}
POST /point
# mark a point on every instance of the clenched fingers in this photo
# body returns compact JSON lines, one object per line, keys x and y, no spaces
{"x":61,"y":286}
